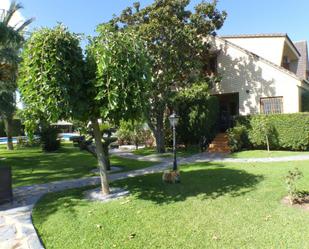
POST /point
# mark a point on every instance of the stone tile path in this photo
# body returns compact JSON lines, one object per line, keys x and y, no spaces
{"x":151,"y":158}
{"x":17,"y":230}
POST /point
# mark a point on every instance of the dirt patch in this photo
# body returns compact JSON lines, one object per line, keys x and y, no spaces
{"x":302,"y":203}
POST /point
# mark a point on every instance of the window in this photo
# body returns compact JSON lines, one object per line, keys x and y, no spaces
{"x":286,"y":63}
{"x":271,"y":105}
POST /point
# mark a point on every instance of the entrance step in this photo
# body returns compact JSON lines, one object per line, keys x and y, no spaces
{"x":220,"y":144}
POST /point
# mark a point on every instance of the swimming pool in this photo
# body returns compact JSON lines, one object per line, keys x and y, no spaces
{"x":5,"y":139}
{"x":64,"y":136}
{"x":67,"y":136}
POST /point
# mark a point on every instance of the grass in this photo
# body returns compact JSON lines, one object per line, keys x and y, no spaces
{"x":265,"y":153}
{"x":217,"y":205}
{"x":32,"y":166}
{"x":181,"y":152}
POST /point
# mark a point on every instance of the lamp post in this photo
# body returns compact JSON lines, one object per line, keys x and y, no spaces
{"x":174,"y":121}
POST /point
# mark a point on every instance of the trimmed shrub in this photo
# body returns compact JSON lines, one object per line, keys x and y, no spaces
{"x":286,"y":131}
{"x":49,"y":139}
{"x":292,"y":131}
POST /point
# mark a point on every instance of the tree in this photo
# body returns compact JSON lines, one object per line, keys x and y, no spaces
{"x":118,"y":68}
{"x":174,"y":37}
{"x":198,"y":113}
{"x":11,"y":41}
{"x":262,"y":132}
{"x":56,"y":83}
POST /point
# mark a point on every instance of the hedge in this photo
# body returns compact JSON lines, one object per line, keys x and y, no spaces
{"x":289,"y":132}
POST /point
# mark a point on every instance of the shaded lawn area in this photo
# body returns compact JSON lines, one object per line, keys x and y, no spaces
{"x":265,"y":153}
{"x":181,"y":152}
{"x":217,"y":205}
{"x":32,"y":166}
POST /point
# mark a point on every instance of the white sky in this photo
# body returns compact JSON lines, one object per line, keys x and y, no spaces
{"x":17,"y":18}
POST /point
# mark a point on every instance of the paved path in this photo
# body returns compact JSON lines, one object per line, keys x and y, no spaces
{"x":16,"y":228}
{"x":130,"y":155}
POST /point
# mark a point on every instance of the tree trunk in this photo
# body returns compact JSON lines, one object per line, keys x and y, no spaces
{"x":136,"y":143}
{"x":160,"y":140}
{"x":267,"y":142}
{"x":158,"y":132}
{"x":106,"y":155}
{"x":9,"y":131}
{"x":102,"y":163}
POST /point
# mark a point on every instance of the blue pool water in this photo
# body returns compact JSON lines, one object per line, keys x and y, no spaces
{"x":5,"y":139}
{"x":67,"y":136}
{"x":64,"y":136}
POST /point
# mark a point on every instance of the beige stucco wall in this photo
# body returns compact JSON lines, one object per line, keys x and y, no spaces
{"x":270,"y":48}
{"x":241,"y":71}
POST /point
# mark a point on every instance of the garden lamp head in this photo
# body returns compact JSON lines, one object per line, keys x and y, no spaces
{"x":173,"y":119}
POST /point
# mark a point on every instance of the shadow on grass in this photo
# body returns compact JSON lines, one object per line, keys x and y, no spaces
{"x":203,"y":183}
{"x":66,"y":201}
{"x":210,"y":181}
{"x":32,"y":166}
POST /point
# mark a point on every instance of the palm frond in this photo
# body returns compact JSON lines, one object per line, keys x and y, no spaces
{"x":24,"y":25}
{"x":14,"y":7}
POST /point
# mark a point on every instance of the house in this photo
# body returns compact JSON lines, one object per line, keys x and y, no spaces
{"x":263,"y":73}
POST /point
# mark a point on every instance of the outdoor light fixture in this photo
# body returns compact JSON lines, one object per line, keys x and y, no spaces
{"x":174,"y":121}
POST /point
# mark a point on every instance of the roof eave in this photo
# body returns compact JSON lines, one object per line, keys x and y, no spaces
{"x":263,"y":59}
{"x":292,"y":46}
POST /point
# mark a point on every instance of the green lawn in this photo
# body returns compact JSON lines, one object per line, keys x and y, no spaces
{"x":216,"y":206}
{"x":32,"y":166}
{"x":265,"y":153}
{"x":181,"y":152}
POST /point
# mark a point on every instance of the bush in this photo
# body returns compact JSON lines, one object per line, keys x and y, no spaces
{"x":23,"y":142}
{"x":49,"y":139}
{"x":134,"y":132}
{"x":290,"y":180}
{"x":238,"y":138}
{"x":198,"y":113}
{"x":285,"y":131}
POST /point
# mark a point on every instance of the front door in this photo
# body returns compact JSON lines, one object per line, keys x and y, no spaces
{"x":229,"y":108}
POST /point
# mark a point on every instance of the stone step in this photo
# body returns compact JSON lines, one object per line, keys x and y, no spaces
{"x":219,"y":144}
{"x":219,"y":151}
